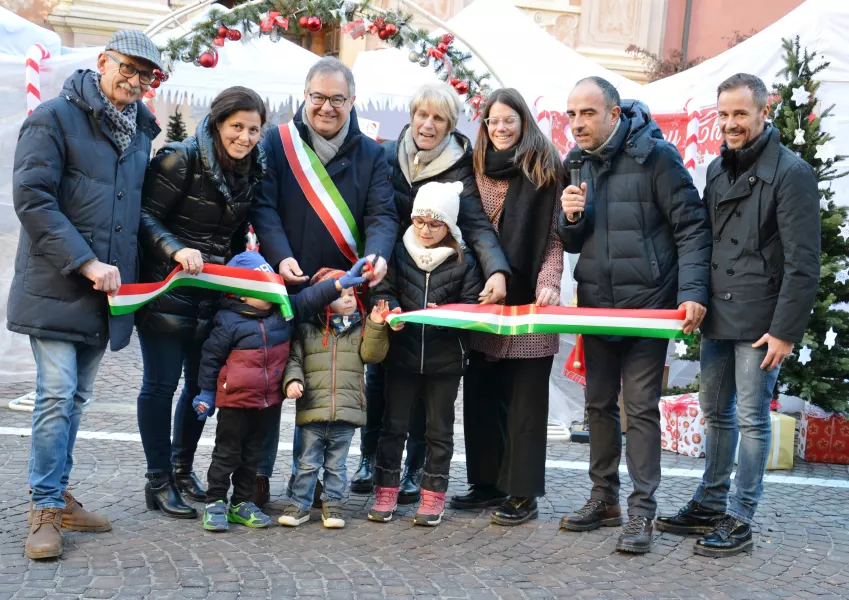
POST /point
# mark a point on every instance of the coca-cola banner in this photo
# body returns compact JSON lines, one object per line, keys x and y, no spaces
{"x":674,"y":126}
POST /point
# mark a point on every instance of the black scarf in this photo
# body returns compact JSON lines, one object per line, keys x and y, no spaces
{"x":523,"y":224}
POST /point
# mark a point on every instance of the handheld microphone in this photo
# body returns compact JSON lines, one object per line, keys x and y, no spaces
{"x":575,"y":177}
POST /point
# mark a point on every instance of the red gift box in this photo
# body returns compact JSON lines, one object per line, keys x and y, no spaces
{"x":824,"y":437}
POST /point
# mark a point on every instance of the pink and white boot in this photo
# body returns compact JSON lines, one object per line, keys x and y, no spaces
{"x":431,"y":509}
{"x":385,"y":503}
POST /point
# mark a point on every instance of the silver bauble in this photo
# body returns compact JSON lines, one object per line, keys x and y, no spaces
{"x":414,"y":56}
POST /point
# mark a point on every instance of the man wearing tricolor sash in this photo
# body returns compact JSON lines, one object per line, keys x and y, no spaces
{"x":326,"y":199}
{"x":644,"y":238}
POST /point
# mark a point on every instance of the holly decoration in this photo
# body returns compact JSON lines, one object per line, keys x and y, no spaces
{"x":271,"y":17}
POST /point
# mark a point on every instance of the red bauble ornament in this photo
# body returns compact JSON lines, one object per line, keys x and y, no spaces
{"x":314,"y":24}
{"x":219,"y":41}
{"x":208,"y":60}
{"x":384,"y":34}
{"x":447,"y":38}
{"x":303,"y":21}
{"x":476,"y":102}
{"x":234,"y":35}
{"x":462,"y":87}
{"x":155,"y":83}
{"x":391,"y":29}
{"x":453,"y":81}
{"x":442,"y":47}
{"x":222,"y":31}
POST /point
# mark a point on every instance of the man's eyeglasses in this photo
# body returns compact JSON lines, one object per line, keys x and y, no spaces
{"x":129,"y":71}
{"x":434,"y":226}
{"x":335,"y":101}
{"x":508,"y":121}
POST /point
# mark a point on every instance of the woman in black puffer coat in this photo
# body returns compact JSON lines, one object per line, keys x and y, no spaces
{"x":430,"y":150}
{"x":195,"y":202}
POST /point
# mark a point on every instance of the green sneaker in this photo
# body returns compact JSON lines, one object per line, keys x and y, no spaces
{"x":215,"y":516}
{"x":249,"y":515}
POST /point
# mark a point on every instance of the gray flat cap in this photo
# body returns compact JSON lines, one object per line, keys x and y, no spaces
{"x":137,"y":44}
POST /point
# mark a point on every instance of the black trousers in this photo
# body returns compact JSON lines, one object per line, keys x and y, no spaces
{"x":636,"y":366}
{"x":375,"y":405}
{"x":239,"y":439}
{"x":403,"y":390}
{"x":505,"y":416}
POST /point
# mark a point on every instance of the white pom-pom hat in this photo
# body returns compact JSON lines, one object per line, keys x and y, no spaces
{"x":440,"y":201}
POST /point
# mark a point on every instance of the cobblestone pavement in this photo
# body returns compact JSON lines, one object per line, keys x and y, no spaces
{"x":802,"y":533}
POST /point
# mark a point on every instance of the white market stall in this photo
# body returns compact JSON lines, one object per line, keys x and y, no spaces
{"x":821,"y":26}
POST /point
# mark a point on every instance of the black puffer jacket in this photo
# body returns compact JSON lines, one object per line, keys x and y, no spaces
{"x":427,"y":349}
{"x":188,"y":200}
{"x":645,"y":239}
{"x":78,"y":198}
{"x":454,"y":164}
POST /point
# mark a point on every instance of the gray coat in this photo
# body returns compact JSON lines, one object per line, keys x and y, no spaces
{"x":764,"y":208}
{"x":78,"y":198}
{"x":645,"y":239}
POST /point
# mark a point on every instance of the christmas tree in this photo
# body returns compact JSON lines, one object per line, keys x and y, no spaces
{"x":176,"y":128}
{"x":818,"y":370}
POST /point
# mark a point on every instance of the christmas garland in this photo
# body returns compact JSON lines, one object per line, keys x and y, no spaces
{"x":300,"y":17}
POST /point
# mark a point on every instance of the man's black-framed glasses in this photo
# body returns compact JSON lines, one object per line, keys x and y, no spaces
{"x":129,"y":71}
{"x":335,"y":101}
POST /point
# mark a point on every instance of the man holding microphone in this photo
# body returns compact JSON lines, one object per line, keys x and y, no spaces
{"x":644,"y":241}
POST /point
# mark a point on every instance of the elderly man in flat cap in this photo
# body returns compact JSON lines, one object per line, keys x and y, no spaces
{"x":78,"y":172}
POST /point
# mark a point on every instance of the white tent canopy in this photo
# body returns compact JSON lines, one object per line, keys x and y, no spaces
{"x":821,"y":26}
{"x":275,"y":70}
{"x":17,"y":35}
{"x":538,"y":65}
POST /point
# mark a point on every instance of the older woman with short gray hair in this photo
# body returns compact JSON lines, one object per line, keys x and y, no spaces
{"x":430,"y":149}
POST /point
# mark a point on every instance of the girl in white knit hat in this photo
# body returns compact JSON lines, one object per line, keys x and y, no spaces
{"x":428,"y":269}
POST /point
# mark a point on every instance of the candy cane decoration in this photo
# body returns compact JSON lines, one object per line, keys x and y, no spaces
{"x":691,"y":146}
{"x":35,"y":55}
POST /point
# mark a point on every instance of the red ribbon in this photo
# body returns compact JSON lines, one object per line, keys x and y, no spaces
{"x":275,"y":19}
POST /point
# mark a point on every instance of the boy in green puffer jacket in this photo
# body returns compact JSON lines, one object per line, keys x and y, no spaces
{"x":327,"y":358}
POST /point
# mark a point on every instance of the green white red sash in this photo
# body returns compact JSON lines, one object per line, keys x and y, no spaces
{"x":241,"y":282}
{"x":321,"y":193}
{"x":518,"y":320}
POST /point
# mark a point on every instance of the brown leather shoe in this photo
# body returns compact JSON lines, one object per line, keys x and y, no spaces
{"x":76,"y":518}
{"x":592,"y":515}
{"x":44,"y":540}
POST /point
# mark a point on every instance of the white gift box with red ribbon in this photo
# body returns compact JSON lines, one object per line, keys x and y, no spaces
{"x":682,"y":425}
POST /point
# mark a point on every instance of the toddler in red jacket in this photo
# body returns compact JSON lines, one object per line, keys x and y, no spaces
{"x":241,"y":374}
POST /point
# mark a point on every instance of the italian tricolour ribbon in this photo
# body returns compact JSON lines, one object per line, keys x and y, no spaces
{"x":518,"y":320}
{"x":240,"y":282}
{"x":321,"y":193}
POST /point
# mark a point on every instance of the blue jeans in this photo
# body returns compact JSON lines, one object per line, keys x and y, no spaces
{"x":65,"y":373}
{"x":735,"y":396}
{"x":165,"y":357}
{"x":322,"y":445}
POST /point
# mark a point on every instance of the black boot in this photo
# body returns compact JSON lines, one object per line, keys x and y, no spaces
{"x":411,"y":485}
{"x":693,"y":518}
{"x":478,"y":496}
{"x":515,"y":511}
{"x":636,"y":536}
{"x":161,"y":493}
{"x":262,"y":491}
{"x":730,"y":537}
{"x":188,"y":483}
{"x":363,"y":481}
